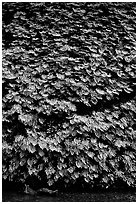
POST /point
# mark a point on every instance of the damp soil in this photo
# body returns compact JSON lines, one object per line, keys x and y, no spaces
{"x":9,"y":196}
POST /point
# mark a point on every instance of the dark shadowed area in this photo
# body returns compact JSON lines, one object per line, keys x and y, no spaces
{"x":72,"y":197}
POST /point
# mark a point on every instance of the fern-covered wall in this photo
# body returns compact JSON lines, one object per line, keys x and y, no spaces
{"x":69,"y":92}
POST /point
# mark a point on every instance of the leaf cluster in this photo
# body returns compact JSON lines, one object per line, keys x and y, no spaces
{"x":69,"y":83}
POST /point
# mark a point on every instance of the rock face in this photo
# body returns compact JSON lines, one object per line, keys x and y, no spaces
{"x":69,"y":92}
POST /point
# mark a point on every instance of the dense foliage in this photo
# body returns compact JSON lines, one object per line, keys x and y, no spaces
{"x":69,"y":87}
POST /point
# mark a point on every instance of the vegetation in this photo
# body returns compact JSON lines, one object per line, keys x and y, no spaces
{"x":69,"y":88}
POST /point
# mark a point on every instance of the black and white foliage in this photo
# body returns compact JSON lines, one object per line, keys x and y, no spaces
{"x":69,"y":92}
